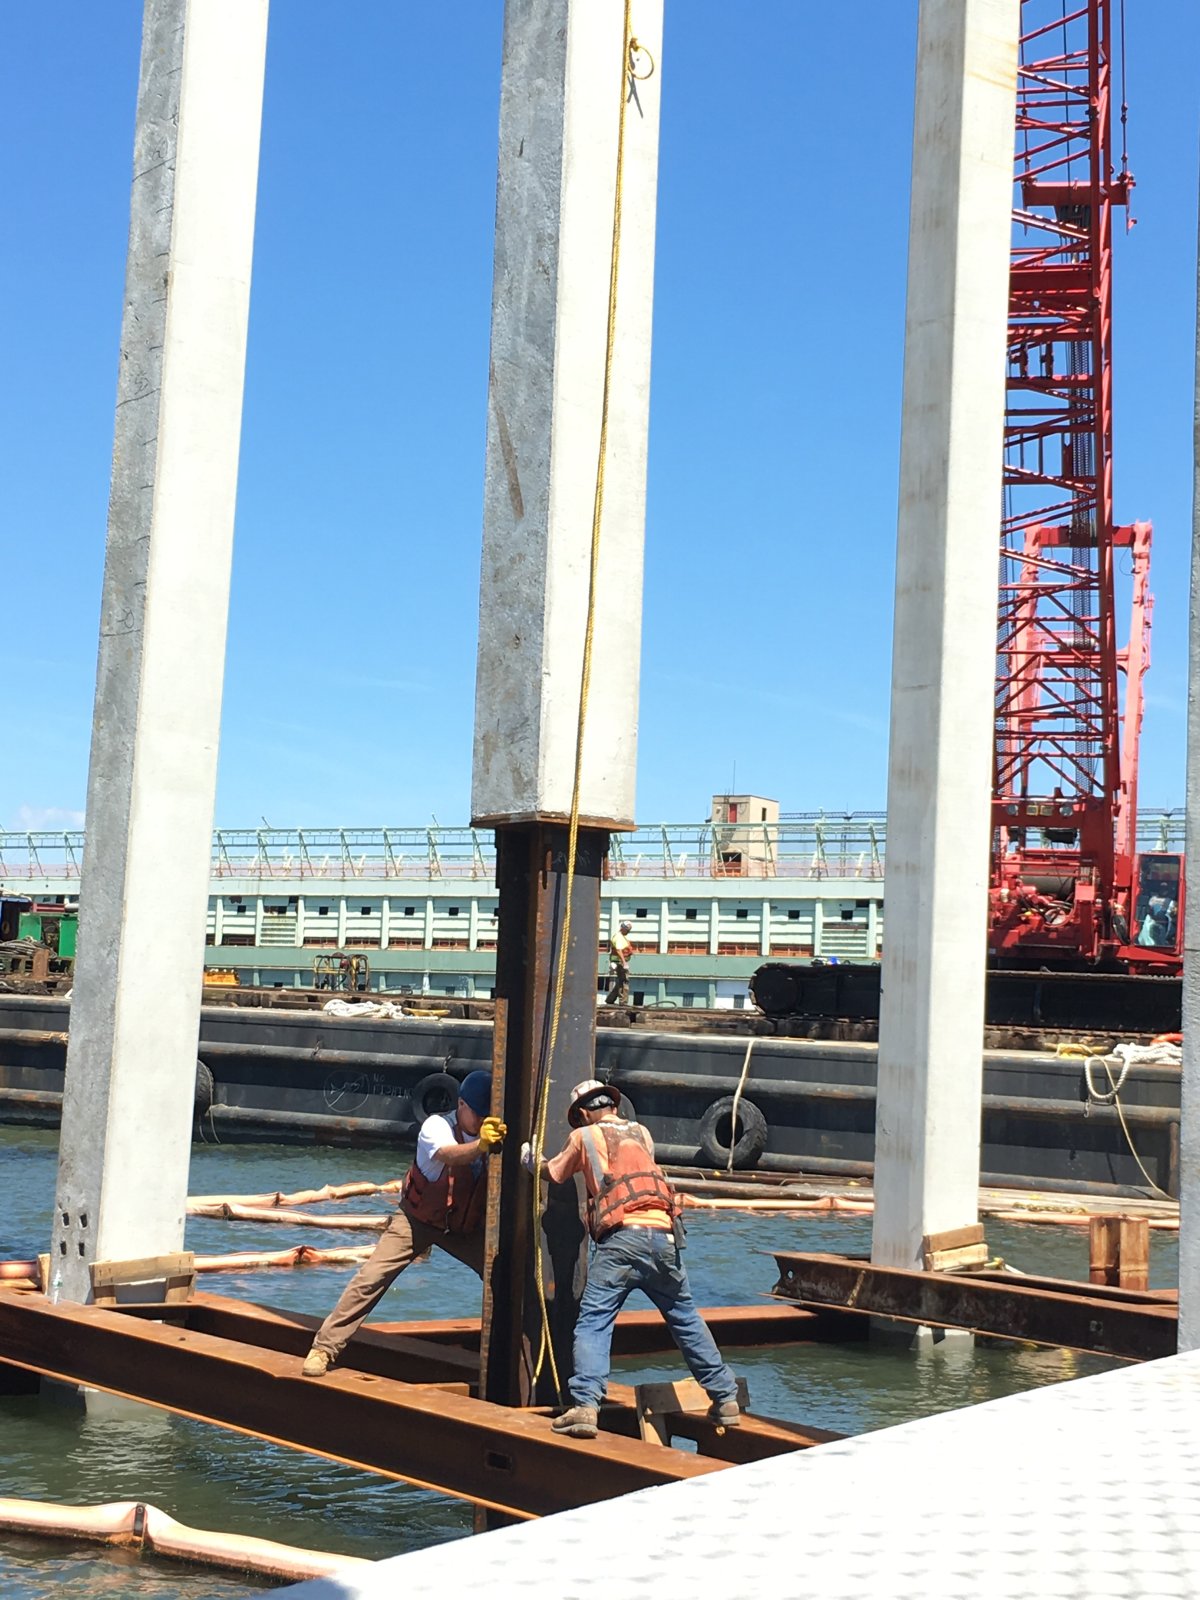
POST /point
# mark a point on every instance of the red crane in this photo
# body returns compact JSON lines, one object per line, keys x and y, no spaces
{"x":1065,"y":871}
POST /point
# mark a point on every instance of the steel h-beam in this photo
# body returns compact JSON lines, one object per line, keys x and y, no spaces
{"x":564,"y":507}
{"x":127,"y":1107}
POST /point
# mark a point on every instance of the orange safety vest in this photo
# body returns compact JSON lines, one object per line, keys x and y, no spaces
{"x":454,"y":1203}
{"x":622,"y":1176}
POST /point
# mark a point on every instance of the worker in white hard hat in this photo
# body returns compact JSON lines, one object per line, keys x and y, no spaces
{"x":620,"y":953}
{"x":634,"y":1217}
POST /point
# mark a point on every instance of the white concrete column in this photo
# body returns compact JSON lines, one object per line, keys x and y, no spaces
{"x":560,"y":101}
{"x":664,"y":927}
{"x":341,"y":922}
{"x":714,"y":927}
{"x":218,"y":919}
{"x":943,"y":661}
{"x":1189,"y":1131}
{"x":127,"y":1106}
{"x":429,"y":925}
{"x":259,"y":919}
{"x":298,"y":936}
{"x":385,"y":922}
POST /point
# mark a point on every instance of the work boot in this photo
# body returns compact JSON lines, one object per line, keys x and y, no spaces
{"x":316,"y":1363}
{"x":579,"y":1422}
{"x":726,"y":1413}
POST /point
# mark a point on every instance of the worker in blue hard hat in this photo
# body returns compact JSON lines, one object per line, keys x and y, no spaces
{"x":443,"y":1202}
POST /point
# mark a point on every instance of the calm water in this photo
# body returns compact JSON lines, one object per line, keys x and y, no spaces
{"x":213,"y":1479}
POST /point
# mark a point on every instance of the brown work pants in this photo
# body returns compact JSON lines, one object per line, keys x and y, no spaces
{"x":402,"y":1241}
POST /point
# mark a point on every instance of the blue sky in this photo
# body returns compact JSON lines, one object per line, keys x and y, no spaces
{"x":775,"y":413}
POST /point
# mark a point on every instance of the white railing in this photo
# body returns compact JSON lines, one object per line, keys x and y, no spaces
{"x":805,"y":845}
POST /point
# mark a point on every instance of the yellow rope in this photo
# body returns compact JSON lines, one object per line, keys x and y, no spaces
{"x":546,"y":1348}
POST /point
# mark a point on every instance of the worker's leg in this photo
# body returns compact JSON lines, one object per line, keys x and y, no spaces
{"x":666,"y":1284}
{"x":464,"y":1247}
{"x":612,"y":1276}
{"x":400,"y":1243}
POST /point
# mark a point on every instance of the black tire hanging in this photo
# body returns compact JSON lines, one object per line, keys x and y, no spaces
{"x":749,"y":1138}
{"x":434,"y":1095}
{"x":203,"y":1096}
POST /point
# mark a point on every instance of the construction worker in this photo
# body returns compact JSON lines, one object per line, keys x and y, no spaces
{"x":620,"y":953}
{"x":633,"y":1216}
{"x":442,"y":1203}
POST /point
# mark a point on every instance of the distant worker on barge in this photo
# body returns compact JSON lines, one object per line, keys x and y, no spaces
{"x":634,"y":1217}
{"x":620,"y":953}
{"x":443,"y":1202}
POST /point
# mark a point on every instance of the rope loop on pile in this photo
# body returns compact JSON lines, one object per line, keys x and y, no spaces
{"x":629,"y":48}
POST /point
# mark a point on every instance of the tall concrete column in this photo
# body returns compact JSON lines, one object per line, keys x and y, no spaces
{"x":944,"y":654}
{"x":1189,"y":1131}
{"x":564,"y":79}
{"x":127,"y":1107}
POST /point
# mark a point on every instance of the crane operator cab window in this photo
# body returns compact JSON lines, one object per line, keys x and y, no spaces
{"x":1156,"y":908}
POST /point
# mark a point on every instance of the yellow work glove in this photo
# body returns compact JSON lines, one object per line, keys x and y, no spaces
{"x":491,"y":1134}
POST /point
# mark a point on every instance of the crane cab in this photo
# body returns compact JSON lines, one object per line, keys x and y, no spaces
{"x":1156,"y":928}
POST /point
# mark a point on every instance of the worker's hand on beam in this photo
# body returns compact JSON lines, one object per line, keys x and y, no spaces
{"x":491,"y":1134}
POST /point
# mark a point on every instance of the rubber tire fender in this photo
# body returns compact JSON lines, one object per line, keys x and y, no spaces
{"x":433,"y":1096}
{"x":203,"y":1097}
{"x":750,"y":1144}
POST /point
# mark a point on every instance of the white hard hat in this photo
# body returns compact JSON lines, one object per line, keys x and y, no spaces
{"x":625,"y":927}
{"x":583,"y":1094}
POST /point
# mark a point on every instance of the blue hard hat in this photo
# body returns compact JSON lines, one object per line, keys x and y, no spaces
{"x":476,"y":1090}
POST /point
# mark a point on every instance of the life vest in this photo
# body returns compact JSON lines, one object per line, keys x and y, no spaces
{"x":622,"y":1176}
{"x":454,"y":1203}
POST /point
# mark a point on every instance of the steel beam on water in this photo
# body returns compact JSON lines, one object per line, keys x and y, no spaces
{"x":495,"y":1456}
{"x":1130,"y":1325}
{"x":413,"y":1354}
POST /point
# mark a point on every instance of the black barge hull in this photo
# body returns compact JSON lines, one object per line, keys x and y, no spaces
{"x":294,"y":1075}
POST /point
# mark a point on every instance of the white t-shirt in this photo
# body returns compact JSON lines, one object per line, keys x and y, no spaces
{"x":436,"y":1133}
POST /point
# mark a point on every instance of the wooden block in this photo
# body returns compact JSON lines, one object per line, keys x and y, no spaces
{"x":177,"y":1273}
{"x":955,"y":1249}
{"x":657,"y":1403}
{"x":952,"y":1238}
{"x":965,"y":1258}
{"x":44,"y":1273}
{"x":1119,"y":1251}
{"x":1133,"y":1253}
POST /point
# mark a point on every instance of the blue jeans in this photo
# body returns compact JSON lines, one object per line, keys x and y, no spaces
{"x":632,"y":1258}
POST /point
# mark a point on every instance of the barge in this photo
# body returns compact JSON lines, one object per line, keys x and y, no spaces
{"x":805,"y":1105}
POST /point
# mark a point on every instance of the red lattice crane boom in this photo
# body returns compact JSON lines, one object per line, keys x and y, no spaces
{"x":1064,"y":871}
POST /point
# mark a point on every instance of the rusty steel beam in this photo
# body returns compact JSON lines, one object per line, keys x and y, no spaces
{"x":403,"y":1354}
{"x":642,"y":1333}
{"x":531,"y":879}
{"x":1070,"y":1315}
{"x":495,"y":1456}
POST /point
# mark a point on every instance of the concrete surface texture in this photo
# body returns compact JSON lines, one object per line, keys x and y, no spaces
{"x":562,"y":82}
{"x":944,"y":653}
{"x":131,"y":1067}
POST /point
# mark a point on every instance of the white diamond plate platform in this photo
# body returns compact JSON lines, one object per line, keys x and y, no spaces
{"x":1087,"y":1489}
